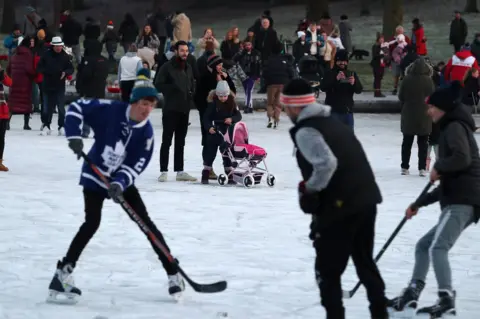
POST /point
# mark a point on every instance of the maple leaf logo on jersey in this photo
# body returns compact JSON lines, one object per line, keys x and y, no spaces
{"x":113,"y":157}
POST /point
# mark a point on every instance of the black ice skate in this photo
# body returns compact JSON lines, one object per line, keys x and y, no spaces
{"x":62,"y":289}
{"x":406,"y":304}
{"x":176,"y":286}
{"x":445,"y":306}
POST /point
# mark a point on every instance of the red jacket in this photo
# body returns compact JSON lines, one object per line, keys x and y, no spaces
{"x":21,"y":70}
{"x":4,"y":111}
{"x":420,"y":41}
{"x":38,"y":76}
{"x":458,"y":65}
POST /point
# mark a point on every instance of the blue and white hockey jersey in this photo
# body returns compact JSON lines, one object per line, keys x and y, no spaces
{"x":122,"y":148}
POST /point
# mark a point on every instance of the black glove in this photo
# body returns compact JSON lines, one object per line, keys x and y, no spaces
{"x":115,"y":191}
{"x":309,"y":202}
{"x":76,"y":145}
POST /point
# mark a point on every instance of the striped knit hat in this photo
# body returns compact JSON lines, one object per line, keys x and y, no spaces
{"x":213,"y":61}
{"x":143,"y":87}
{"x":297,"y":93}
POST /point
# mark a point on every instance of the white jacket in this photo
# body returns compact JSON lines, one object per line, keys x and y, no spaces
{"x":128,"y":67}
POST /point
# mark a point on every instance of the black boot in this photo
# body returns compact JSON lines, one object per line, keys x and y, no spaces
{"x":26,"y":120}
{"x":205,"y":176}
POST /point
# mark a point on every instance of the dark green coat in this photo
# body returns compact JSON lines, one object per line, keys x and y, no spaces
{"x":414,"y":88}
{"x":177,"y":84}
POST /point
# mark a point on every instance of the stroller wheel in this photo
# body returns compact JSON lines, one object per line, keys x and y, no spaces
{"x":270,"y":180}
{"x":248,"y":181}
{"x":222,"y":179}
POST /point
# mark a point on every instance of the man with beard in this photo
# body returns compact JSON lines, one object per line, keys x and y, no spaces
{"x":340,"y":192}
{"x":340,"y":84}
{"x":176,"y":81}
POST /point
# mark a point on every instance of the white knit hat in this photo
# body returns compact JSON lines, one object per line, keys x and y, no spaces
{"x":300,"y":34}
{"x":222,"y":89}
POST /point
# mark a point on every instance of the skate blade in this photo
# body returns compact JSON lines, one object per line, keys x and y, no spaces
{"x":61,"y":298}
{"x":408,"y":313}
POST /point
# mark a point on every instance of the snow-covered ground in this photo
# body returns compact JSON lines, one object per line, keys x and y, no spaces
{"x":256,"y":239}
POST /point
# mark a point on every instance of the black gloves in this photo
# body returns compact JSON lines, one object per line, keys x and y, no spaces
{"x":115,"y":191}
{"x":76,"y":145}
{"x":309,"y":202}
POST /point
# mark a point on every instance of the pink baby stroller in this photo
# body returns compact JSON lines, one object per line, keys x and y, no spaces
{"x":245,"y":159}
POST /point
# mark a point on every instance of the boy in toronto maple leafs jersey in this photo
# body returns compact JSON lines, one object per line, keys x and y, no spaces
{"x":122,"y":150}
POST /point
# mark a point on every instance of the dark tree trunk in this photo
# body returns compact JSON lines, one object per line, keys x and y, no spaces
{"x":471,"y":6}
{"x":159,"y":4}
{"x":8,"y":16}
{"x":65,"y":5}
{"x":79,"y":5}
{"x":57,"y":8}
{"x":316,"y":9}
{"x":392,"y":16}
{"x":364,"y":8}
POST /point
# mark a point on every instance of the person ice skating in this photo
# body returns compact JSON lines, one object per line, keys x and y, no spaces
{"x":340,"y":192}
{"x":4,"y":116}
{"x":458,"y":170}
{"x":124,"y":140}
{"x":222,"y":113}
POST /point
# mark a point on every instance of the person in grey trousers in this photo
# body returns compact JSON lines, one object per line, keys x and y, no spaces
{"x":458,"y":170}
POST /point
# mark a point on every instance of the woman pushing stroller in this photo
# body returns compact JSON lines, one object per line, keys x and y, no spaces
{"x":221,"y":115}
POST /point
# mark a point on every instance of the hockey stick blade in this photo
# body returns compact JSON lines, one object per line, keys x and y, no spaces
{"x":204,"y":288}
{"x":349,"y":294}
{"x":201,"y":288}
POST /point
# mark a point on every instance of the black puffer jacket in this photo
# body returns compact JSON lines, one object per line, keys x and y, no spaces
{"x":458,"y":163}
{"x":92,"y":73}
{"x":128,"y":30}
{"x":278,"y":69}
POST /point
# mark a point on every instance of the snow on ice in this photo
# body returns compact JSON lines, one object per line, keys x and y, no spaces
{"x":256,"y":239}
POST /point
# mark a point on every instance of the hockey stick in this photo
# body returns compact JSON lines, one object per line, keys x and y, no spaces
{"x":349,"y":294}
{"x":202,"y":288}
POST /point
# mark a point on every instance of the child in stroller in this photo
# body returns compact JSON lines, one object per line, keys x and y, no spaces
{"x":309,"y":70}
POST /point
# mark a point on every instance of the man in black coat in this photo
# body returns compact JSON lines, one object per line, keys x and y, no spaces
{"x":265,"y":39}
{"x":92,"y":76}
{"x":340,"y":192}
{"x":458,"y":170}
{"x":71,"y":31}
{"x":340,"y":84}
{"x":176,"y":81}
{"x":458,"y":32}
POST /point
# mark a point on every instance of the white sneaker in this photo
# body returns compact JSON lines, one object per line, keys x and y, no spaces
{"x":422,"y":172}
{"x":185,"y":177}
{"x":45,"y":130}
{"x":163,"y":177}
{"x":61,"y":131}
{"x":405,"y":171}
{"x":176,"y":286}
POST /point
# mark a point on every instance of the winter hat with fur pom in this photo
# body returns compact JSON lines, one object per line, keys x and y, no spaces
{"x":297,"y":93}
{"x":222,"y":89}
{"x":446,"y":99}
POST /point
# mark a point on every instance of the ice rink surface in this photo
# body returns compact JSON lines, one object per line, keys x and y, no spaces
{"x":256,"y":239}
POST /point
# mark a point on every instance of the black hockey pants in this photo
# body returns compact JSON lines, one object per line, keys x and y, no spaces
{"x":93,"y":212}
{"x":334,"y":245}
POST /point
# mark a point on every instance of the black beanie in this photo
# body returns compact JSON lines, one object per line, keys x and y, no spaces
{"x":341,"y":55}
{"x":297,"y":92}
{"x":446,"y":99}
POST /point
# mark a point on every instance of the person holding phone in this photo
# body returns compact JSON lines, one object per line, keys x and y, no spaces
{"x":340,"y":84}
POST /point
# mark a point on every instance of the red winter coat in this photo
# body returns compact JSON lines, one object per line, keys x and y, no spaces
{"x":420,"y":41}
{"x":38,"y":76}
{"x":21,"y":70}
{"x":4,"y":112}
{"x":458,"y":65}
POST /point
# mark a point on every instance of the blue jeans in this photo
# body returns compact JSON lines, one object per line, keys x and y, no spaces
{"x":345,"y":118}
{"x":52,"y":99}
